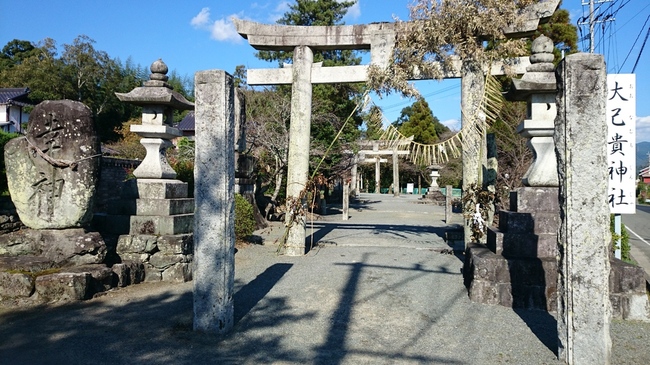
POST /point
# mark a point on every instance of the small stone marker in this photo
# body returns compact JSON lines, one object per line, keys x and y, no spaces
{"x":584,"y":308}
{"x":52,"y":171}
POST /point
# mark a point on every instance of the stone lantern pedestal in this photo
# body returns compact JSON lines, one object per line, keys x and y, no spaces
{"x":161,"y":214}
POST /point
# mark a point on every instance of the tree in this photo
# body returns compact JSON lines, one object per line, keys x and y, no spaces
{"x":332,"y":104}
{"x":563,"y":34}
{"x":418,"y":121}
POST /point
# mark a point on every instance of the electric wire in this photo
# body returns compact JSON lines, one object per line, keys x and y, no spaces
{"x":634,"y":44}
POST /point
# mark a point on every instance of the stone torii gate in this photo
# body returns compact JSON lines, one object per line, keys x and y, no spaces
{"x":303,"y":40}
{"x":379,"y":149}
{"x":214,"y":189}
{"x":379,"y":38}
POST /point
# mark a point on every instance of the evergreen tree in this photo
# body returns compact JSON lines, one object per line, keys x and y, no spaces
{"x":418,"y":121}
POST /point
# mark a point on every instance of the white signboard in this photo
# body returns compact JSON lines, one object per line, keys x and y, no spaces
{"x":621,"y":143}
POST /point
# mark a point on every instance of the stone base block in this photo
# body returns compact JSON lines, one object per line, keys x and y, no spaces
{"x":517,"y":283}
{"x":630,"y":307}
{"x":128,"y":273}
{"x":535,"y":199}
{"x":62,"y":286}
{"x":162,"y":225}
{"x":164,"y":207}
{"x":26,"y":263}
{"x":179,"y":273}
{"x":138,"y":244}
{"x":152,"y":274}
{"x":150,"y":244}
{"x":626,"y":278}
{"x":102,"y":278}
{"x":155,"y":189}
{"x":522,"y":245}
{"x":16,"y":285}
{"x":540,"y":222}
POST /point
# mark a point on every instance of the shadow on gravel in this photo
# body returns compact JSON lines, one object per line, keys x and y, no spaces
{"x":543,"y":325}
{"x":250,"y":294}
{"x":336,"y":348}
{"x":152,"y":329}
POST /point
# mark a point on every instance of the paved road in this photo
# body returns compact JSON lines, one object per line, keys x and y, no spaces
{"x":638,"y":225}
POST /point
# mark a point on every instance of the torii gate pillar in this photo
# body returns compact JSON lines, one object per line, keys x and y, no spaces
{"x":298,"y":159}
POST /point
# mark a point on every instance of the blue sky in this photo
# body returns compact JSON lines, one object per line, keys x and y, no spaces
{"x":197,"y":35}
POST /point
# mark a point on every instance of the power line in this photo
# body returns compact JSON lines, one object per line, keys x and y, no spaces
{"x":641,"y":51}
{"x":634,"y":44}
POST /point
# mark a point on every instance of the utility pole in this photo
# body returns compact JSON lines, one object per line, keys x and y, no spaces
{"x":593,"y":19}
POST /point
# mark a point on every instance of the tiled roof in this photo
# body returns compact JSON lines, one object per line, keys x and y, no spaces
{"x":16,"y":96}
{"x":187,"y":124}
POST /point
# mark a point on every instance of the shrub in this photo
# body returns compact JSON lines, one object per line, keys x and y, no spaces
{"x":625,"y":240}
{"x":244,"y":218}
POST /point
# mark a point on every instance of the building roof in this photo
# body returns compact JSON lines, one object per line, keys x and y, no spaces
{"x":187,"y":124}
{"x":645,"y":172}
{"x":14,"y":96}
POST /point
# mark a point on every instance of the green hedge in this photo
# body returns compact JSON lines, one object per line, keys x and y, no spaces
{"x":244,"y":218}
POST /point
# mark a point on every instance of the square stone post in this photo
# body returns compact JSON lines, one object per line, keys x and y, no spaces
{"x":346,"y":200}
{"x":474,"y":147}
{"x":299,"y":130}
{"x":584,"y":308}
{"x":214,"y":215}
{"x":395,"y":174}
{"x":377,"y":174}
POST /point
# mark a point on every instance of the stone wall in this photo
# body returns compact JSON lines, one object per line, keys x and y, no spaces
{"x":114,"y":171}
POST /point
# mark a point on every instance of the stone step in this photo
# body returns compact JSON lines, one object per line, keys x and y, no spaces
{"x":522,"y":245}
{"x":162,"y":225}
{"x":540,"y":222}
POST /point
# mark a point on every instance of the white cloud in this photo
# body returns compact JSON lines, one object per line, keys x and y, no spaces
{"x":354,"y":12}
{"x":201,"y":19}
{"x":643,"y":129}
{"x":453,"y":124}
{"x":222,"y":30}
{"x":278,"y":12}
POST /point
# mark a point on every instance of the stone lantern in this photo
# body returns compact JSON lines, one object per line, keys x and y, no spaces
{"x":158,"y":101}
{"x":161,"y":216}
{"x":434,"y":177}
{"x":538,"y":88}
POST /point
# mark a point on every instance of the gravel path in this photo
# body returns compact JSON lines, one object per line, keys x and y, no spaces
{"x":376,"y":289}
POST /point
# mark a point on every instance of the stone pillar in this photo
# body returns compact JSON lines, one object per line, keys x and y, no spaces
{"x":299,"y":132}
{"x":214,"y":173}
{"x":346,"y":200}
{"x":472,"y":79}
{"x":395,"y":174}
{"x":354,"y":179}
{"x":584,"y":308}
{"x":377,"y":175}
{"x":448,"y":206}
